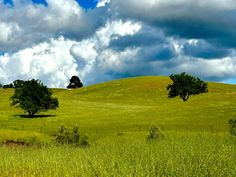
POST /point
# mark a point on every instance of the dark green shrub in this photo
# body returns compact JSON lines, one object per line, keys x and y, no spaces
{"x":154,"y":134}
{"x":84,"y":141}
{"x":67,"y":136}
{"x":63,"y":135}
{"x":232,"y":127}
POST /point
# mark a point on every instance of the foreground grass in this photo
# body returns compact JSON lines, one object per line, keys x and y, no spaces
{"x":127,"y":155}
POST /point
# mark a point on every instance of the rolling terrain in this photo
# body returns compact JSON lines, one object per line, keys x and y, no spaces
{"x":116,"y":116}
{"x":128,"y":104}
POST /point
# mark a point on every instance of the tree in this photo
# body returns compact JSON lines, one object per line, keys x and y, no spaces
{"x":75,"y":82}
{"x":33,"y":97}
{"x":8,"y":86}
{"x":185,"y":85}
{"x":18,"y":83}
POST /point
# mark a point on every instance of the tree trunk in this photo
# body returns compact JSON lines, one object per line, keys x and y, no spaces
{"x":185,"y":97}
{"x":30,"y":113}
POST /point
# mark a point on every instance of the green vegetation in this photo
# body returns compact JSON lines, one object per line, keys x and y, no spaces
{"x":185,"y":85}
{"x":75,"y":82}
{"x":32,"y":96}
{"x":154,"y":134}
{"x":66,"y":136}
{"x":117,"y":117}
{"x":232,"y":127}
{"x":179,"y":155}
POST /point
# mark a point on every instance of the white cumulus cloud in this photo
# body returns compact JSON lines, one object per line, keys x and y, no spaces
{"x":102,"y":3}
{"x":50,"y":62}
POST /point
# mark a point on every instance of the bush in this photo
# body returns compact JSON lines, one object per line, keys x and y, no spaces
{"x":232,"y":127}
{"x":155,"y":134}
{"x":67,"y":136}
{"x":84,"y":141}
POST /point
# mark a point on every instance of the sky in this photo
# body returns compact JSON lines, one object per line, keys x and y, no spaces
{"x":103,"y":40}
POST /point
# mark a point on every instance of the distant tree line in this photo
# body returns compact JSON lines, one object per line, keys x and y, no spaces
{"x":15,"y":84}
{"x":8,"y":86}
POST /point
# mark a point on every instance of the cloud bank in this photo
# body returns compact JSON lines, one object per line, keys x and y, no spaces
{"x":117,"y":39}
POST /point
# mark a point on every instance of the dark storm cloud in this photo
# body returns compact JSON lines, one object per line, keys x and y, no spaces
{"x":213,"y":21}
{"x":147,"y":36}
{"x":153,"y":44}
{"x":202,"y":49}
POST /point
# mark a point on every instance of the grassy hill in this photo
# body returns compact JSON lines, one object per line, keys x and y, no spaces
{"x":131,"y":102}
{"x":116,"y":117}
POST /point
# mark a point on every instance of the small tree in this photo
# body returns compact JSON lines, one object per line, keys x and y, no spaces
{"x":75,"y":82}
{"x":33,"y":97}
{"x":185,"y":85}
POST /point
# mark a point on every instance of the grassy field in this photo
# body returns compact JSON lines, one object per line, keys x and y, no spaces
{"x":116,"y":116}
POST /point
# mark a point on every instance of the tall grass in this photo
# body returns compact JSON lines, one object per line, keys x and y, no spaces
{"x":128,"y":155}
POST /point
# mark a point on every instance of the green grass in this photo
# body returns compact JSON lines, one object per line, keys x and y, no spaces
{"x":128,"y":104}
{"x":116,"y":117}
{"x":192,"y":155}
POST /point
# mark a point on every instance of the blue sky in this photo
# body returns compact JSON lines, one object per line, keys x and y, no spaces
{"x":87,"y":4}
{"x":40,"y":2}
{"x":8,"y":2}
{"x":116,"y":39}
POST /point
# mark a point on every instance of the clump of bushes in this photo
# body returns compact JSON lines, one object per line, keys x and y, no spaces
{"x":232,"y":127}
{"x":155,"y":134}
{"x":73,"y":137}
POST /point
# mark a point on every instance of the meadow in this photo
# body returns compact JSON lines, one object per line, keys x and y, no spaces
{"x":116,"y":116}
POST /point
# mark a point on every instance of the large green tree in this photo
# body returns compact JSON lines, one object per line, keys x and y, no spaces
{"x":33,"y":97}
{"x":185,"y":85}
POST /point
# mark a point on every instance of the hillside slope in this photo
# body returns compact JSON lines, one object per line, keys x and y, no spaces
{"x":128,"y":104}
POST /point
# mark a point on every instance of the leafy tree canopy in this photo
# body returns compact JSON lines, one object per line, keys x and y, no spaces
{"x":8,"y":86}
{"x":18,"y":83}
{"x":75,"y":82}
{"x":33,"y":97}
{"x":185,"y":85}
